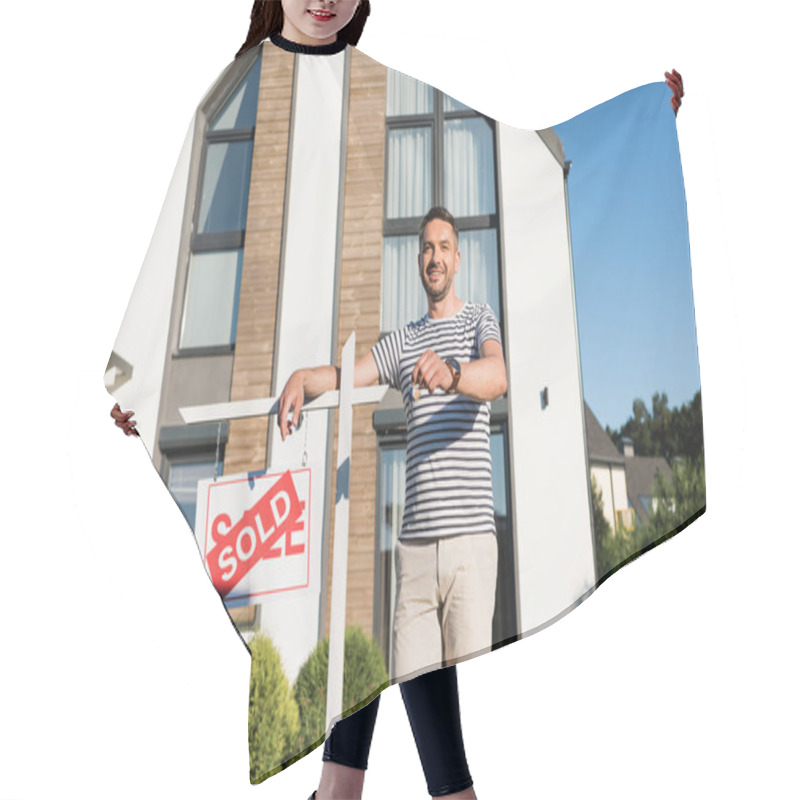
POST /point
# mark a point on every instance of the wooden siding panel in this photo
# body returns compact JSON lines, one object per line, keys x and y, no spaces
{"x":255,"y":332}
{"x":359,"y":311}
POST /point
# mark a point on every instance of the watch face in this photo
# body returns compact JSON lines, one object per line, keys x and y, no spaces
{"x":455,"y":365}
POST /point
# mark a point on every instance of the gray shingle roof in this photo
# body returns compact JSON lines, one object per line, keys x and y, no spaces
{"x":640,"y":475}
{"x":554,"y":144}
{"x":601,"y":448}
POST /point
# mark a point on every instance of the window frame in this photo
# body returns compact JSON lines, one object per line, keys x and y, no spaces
{"x":191,"y":444}
{"x":408,"y":226}
{"x":220,"y":241}
{"x":394,"y":437}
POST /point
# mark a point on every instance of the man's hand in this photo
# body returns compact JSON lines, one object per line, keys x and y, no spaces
{"x":430,"y":372}
{"x":675,"y":82}
{"x":124,"y":420}
{"x":290,"y":403}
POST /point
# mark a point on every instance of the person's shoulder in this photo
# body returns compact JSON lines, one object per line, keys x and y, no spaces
{"x":400,"y":336}
{"x":479,"y":311}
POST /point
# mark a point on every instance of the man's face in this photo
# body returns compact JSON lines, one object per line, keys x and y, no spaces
{"x":439,"y":259}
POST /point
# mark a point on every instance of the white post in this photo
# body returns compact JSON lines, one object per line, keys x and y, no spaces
{"x":344,"y":399}
{"x":341,"y":532}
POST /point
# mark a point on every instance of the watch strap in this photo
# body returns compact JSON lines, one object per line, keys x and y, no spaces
{"x":455,"y":371}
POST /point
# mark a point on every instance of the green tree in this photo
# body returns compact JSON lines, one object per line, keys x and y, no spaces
{"x":611,"y":549}
{"x":273,"y":717}
{"x":676,"y":501}
{"x":601,"y":527}
{"x":688,"y":427}
{"x":364,"y":676}
{"x":638,"y":428}
{"x":671,"y":433}
{"x":677,"y":435}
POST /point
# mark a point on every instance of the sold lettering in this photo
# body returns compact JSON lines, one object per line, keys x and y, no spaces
{"x":264,"y":532}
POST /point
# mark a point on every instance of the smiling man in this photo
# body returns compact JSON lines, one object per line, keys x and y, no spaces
{"x":448,"y":366}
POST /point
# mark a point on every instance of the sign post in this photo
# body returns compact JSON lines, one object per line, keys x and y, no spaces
{"x":344,"y":400}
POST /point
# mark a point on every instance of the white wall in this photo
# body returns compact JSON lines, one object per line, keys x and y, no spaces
{"x":552,"y":506}
{"x":143,"y":334}
{"x":602,"y":477}
{"x":620,"y":485}
{"x":306,"y":318}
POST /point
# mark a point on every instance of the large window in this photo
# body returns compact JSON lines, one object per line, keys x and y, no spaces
{"x":438,"y":152}
{"x":211,"y":300}
{"x":186,"y":468}
{"x":391,"y":502}
{"x":191,"y":453}
{"x":183,"y":479}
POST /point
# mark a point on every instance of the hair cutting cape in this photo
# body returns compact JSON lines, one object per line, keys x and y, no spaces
{"x":290,"y":225}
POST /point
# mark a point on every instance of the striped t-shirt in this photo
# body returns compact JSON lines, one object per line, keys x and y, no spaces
{"x":448,"y":460}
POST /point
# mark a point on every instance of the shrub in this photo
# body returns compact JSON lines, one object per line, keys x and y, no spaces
{"x":674,"y":502}
{"x":364,"y":675}
{"x":678,"y":500}
{"x":273,"y":717}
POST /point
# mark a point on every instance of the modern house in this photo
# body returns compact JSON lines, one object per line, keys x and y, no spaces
{"x":624,"y":479}
{"x":291,"y":222}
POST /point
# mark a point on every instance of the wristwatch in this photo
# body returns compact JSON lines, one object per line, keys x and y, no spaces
{"x":455,"y":371}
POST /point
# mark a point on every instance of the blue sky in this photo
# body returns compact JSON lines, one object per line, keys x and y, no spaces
{"x":631,"y":254}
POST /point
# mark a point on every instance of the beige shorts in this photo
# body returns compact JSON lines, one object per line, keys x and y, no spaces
{"x":445,"y":600}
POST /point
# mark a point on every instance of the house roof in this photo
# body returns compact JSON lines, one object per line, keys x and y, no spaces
{"x":601,"y":448}
{"x":554,"y":144}
{"x":640,"y":475}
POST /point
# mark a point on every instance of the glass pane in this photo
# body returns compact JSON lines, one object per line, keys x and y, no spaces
{"x":408,"y":191}
{"x":226,"y":183}
{"x":477,"y":280}
{"x":393,"y":494}
{"x":505,"y":614}
{"x":240,"y":110}
{"x":497,"y":444}
{"x":211,"y":305}
{"x":392,"y":502}
{"x":182,"y":485}
{"x":405,"y":95}
{"x":468,"y":167}
{"x":450,"y":104}
{"x":402,"y":296}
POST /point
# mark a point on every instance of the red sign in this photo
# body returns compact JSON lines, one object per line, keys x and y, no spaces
{"x":264,"y":532}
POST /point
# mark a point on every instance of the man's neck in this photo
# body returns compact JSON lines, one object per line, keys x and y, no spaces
{"x":447,"y":307}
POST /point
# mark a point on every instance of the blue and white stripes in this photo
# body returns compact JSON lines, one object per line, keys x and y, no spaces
{"x":448,"y":461}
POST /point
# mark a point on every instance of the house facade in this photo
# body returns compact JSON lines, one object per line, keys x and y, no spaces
{"x":292,"y":222}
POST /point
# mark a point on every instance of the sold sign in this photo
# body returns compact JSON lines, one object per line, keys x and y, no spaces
{"x":262,"y":546}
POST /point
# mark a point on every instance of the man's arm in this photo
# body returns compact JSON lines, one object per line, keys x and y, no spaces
{"x":306,"y":384}
{"x":483,"y":379}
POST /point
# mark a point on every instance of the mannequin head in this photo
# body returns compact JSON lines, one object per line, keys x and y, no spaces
{"x":439,"y":257}
{"x":316,"y":21}
{"x":292,"y":18}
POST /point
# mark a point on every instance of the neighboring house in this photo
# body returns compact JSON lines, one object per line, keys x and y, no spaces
{"x":624,"y":479}
{"x":640,"y":476}
{"x":607,"y":467}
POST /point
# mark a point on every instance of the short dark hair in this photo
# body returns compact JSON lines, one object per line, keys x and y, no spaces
{"x":266,"y":19}
{"x":437,"y":212}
